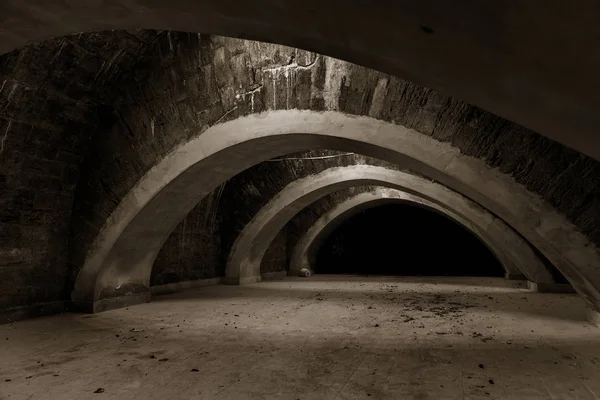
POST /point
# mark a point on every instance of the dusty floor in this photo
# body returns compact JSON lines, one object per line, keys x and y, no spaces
{"x":316,"y":338}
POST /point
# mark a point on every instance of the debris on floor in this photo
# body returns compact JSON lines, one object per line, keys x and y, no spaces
{"x":278,"y":340}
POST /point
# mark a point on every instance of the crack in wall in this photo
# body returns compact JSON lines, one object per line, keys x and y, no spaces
{"x":10,"y":95}
{"x":226,"y":114}
{"x":4,"y":137}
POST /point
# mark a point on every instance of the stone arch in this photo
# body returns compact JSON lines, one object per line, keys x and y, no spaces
{"x":513,"y":253}
{"x":530,"y":90}
{"x":120,"y":260}
{"x":247,"y":253}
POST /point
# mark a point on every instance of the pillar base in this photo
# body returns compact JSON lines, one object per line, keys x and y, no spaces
{"x":594,"y":317}
{"x":109,"y":303}
{"x":550,"y":287}
{"x":226,"y":280}
{"x":511,"y":276}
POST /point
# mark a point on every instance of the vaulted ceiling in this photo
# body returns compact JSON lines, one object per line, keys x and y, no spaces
{"x":84,"y":116}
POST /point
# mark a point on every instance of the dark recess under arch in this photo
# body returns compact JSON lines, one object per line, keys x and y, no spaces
{"x":401,"y":239}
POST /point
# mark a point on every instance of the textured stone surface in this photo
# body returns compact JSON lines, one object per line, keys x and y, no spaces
{"x":180,"y":85}
{"x":233,"y":77}
{"x":212,"y":226}
{"x":253,"y":242}
{"x":199,"y":246}
{"x":125,"y":250}
{"x":512,"y":59}
{"x":192,"y":251}
{"x":52,"y":100}
{"x":254,"y":187}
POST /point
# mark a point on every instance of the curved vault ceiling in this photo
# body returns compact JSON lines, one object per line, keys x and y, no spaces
{"x":125,"y":249}
{"x":513,"y":60}
{"x":103,"y":91}
{"x":247,"y":253}
{"x":305,"y":250}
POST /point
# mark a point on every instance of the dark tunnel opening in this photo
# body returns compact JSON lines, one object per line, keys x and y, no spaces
{"x":401,"y":239}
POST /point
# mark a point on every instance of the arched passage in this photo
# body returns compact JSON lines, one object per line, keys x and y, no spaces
{"x":403,"y":239}
{"x":305,"y":251}
{"x":120,"y":260}
{"x":247,"y":252}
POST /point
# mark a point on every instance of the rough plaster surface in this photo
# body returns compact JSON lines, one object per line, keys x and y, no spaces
{"x":125,"y":250}
{"x":513,"y":253}
{"x":322,"y":338}
{"x":514,"y":61}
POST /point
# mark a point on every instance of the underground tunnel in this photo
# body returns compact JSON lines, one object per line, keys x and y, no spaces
{"x":168,"y":171}
{"x":404,"y":240}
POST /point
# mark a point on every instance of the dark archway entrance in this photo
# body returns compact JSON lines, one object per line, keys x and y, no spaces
{"x":401,"y":239}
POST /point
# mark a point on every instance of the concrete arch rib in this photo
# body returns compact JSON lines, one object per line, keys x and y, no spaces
{"x":248,"y":250}
{"x":552,"y":100}
{"x":120,"y":260}
{"x":513,"y":253}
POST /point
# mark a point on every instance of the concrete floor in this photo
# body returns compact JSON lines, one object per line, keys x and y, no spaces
{"x":315,"y":338}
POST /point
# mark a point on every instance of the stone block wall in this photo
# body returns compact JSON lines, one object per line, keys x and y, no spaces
{"x":83,"y":117}
{"x":52,"y":100}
